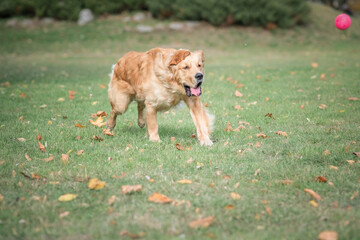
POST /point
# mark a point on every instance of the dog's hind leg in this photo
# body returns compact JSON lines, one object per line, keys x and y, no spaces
{"x":141,"y":118}
{"x":120,"y":97}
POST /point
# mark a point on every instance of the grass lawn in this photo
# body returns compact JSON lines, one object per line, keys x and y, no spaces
{"x":301,"y":79}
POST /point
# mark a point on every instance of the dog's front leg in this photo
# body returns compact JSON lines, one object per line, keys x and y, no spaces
{"x":201,"y":120}
{"x":151,"y":123}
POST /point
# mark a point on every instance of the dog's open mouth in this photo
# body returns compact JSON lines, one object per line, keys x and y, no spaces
{"x":193,"y":91}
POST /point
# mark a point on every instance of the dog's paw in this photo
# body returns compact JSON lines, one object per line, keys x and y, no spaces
{"x":155,"y":139}
{"x":141,"y":123}
{"x":207,"y":142}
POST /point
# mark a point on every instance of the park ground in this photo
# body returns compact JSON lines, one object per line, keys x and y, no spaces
{"x":287,"y":119}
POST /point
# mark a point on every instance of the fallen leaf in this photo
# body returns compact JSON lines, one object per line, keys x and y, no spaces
{"x":261,"y":135}
{"x":49,"y":159}
{"x":356,"y":154}
{"x":270,"y":115}
{"x":102,"y":86}
{"x":355,"y":195}
{"x":204,"y":222}
{"x":97,"y":138}
{"x":321,"y":179}
{"x":5,"y":84}
{"x":237,"y":107}
{"x":302,"y":106}
{"x":39,"y":137}
{"x":107,"y":132}
{"x":94,"y":183}
{"x":112,"y":199}
{"x":65,"y":158}
{"x":257,"y":145}
{"x":128,"y":189}
{"x":239,"y":85}
{"x":184,"y":181}
{"x":78,"y":137}
{"x":101,"y":114}
{"x":22,"y":95}
{"x":43,"y":106}
{"x":71,"y":94}
{"x":326,"y":152}
{"x":328,"y":235}
{"x":132,"y":235}
{"x":98,"y":122}
{"x":35,"y":176}
{"x":228,"y":127}
{"x":61,"y":99}
{"x":313,"y":194}
{"x":64,"y":214}
{"x":333,"y":167}
{"x":314,"y":65}
{"x":79,"y":125}
{"x":238,"y":94}
{"x":235,"y":196}
{"x":179,"y":147}
{"x":67,"y":197}
{"x":190,"y":160}
{"x":268,"y":210}
{"x":79,"y":152}
{"x":41,"y":147}
{"x":27,"y":157}
{"x":21,"y":139}
{"x":229,"y":207}
{"x":159,"y":198}
{"x":353,"y":98}
{"x":1,"y":197}
{"x":351,"y":162}
{"x":257,"y":172}
{"x":322,"y":106}
{"x":315,"y":204}
{"x":281,"y":133}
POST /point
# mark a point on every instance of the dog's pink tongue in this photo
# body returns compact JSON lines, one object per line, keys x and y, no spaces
{"x":195,"y":91}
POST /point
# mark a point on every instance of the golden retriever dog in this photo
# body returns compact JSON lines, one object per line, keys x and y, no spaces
{"x":158,"y":80}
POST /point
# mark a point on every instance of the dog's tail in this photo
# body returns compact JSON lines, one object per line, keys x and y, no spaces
{"x":112,"y":71}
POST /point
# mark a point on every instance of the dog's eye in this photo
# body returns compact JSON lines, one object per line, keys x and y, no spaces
{"x":186,"y":67}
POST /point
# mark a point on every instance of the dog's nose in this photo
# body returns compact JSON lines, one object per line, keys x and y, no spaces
{"x":199,"y":76}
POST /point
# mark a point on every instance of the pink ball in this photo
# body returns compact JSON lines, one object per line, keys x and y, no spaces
{"x":342,"y":21}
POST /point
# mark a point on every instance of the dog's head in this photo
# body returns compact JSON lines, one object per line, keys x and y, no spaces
{"x":188,"y":70}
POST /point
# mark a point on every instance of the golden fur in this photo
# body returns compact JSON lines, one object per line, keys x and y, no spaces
{"x":156,"y":80}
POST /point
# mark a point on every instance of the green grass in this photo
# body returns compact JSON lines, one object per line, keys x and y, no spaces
{"x":45,"y":63}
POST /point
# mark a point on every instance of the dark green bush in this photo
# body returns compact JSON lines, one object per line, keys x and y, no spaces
{"x":284,"y":13}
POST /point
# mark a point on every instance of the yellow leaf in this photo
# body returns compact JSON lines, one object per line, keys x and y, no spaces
{"x":235,"y":196}
{"x":185,"y":181}
{"x":67,"y":197}
{"x":328,"y":235}
{"x":61,"y":99}
{"x":159,"y":198}
{"x":229,"y":207}
{"x":204,"y":222}
{"x":98,"y":122}
{"x":65,"y":158}
{"x":313,"y":194}
{"x":315,"y":204}
{"x":94,"y":183}
{"x":333,"y":167}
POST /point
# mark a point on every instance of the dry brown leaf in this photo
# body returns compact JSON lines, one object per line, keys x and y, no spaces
{"x":179,"y":147}
{"x":302,"y":106}
{"x":43,"y":106}
{"x":314,"y":65}
{"x":238,"y":94}
{"x":79,"y":125}
{"x":268,"y":210}
{"x":355,"y":195}
{"x":356,"y":154}
{"x":184,"y":181}
{"x":321,"y":179}
{"x":269,"y":115}
{"x":61,"y":99}
{"x":98,"y":122}
{"x":261,"y":135}
{"x":5,"y":84}
{"x":237,"y":107}
{"x":35,"y":176}
{"x":65,"y":158}
{"x":328,"y":235}
{"x":326,"y":152}
{"x":22,"y":95}
{"x":39,"y":137}
{"x":97,"y":138}
{"x":239,"y":85}
{"x":159,"y":198}
{"x":112,"y":199}
{"x":353,"y":98}
{"x":257,"y":172}
{"x":49,"y":159}
{"x":72,"y":94}
{"x":67,"y":197}
{"x":128,"y":189}
{"x":27,"y":157}
{"x":228,"y":127}
{"x":333,"y":167}
{"x":229,"y":207}
{"x":21,"y":139}
{"x":64,"y":214}
{"x":281,"y":133}
{"x":322,"y":106}
{"x":102,"y":86}
{"x":313,"y":194}
{"x":94,"y":183}
{"x":132,"y":235}
{"x":204,"y":222}
{"x":41,"y":147}
{"x":351,"y":162}
{"x":107,"y":132}
{"x":79,"y":152}
{"x":101,"y":114}
{"x":257,"y":145}
{"x":235,"y":196}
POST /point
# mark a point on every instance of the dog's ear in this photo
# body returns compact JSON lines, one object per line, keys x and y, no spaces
{"x":201,"y":54}
{"x":178,"y":56}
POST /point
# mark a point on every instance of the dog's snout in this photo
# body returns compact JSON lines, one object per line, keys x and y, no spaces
{"x":199,"y":76}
